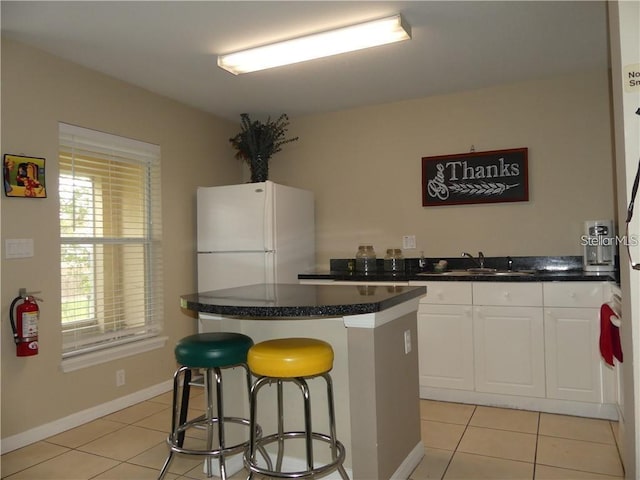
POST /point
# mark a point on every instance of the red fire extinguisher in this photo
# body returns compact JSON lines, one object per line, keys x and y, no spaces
{"x":25,"y":325}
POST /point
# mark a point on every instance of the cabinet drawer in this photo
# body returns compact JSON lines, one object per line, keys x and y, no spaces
{"x":574,"y":294}
{"x":507,"y":293}
{"x":446,"y":293}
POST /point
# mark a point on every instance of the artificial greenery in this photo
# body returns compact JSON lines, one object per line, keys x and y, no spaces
{"x":257,"y":139}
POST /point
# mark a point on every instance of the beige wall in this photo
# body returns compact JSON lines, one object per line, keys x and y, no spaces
{"x":365,"y":168}
{"x":39,"y":90}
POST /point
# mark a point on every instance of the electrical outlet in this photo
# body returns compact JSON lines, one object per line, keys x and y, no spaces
{"x":120,"y":379}
{"x":407,"y":341}
{"x":408,"y":242}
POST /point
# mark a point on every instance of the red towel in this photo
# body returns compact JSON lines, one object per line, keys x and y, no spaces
{"x":610,"y":346}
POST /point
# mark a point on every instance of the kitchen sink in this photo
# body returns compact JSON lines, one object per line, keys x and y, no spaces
{"x":491,"y":272}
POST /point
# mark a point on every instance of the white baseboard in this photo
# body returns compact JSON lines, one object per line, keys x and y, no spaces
{"x":80,"y":418}
{"x":410,"y":463}
{"x":604,"y":411}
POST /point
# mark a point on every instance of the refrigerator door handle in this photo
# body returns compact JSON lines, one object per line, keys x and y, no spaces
{"x":269,"y":217}
{"x":270,"y":266}
{"x":235,"y":251}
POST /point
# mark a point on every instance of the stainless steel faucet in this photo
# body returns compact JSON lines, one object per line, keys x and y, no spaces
{"x":422,"y":262}
{"x":479,"y":262}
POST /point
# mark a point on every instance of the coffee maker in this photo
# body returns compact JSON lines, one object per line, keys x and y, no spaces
{"x":599,"y":243}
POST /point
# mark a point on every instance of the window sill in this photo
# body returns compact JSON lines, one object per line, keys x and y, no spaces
{"x":112,"y":353}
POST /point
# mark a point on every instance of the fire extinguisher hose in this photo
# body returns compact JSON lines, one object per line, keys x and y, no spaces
{"x":12,"y":320}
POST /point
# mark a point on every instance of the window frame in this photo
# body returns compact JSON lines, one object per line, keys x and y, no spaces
{"x":81,"y":143}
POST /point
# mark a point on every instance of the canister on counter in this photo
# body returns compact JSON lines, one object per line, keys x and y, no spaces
{"x":394,"y":261}
{"x":365,"y":259}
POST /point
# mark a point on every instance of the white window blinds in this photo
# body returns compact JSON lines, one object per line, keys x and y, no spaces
{"x":110,"y":240}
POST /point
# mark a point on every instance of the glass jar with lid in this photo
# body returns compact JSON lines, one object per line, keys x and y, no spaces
{"x":394,"y":261}
{"x":365,"y":259}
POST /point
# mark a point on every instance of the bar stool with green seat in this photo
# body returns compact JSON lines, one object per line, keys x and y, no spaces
{"x":295,"y":360}
{"x":210,"y":352}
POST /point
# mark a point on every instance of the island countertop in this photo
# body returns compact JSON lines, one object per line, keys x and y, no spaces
{"x":295,"y":300}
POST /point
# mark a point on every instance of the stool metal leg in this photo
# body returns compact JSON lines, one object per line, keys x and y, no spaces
{"x":254,"y":429}
{"x":308,"y":428}
{"x":208,"y":390}
{"x":184,"y":404}
{"x":213,"y":376}
{"x":179,"y":414}
{"x":280,"y":428}
{"x":250,"y":456}
{"x":221,"y":440}
{"x":332,"y":425}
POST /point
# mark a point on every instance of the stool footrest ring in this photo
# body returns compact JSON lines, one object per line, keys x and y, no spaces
{"x":325,"y":468}
{"x":203,"y":422}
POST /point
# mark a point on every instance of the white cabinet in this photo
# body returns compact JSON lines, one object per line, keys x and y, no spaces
{"x":508,"y":334}
{"x":573,"y":358}
{"x":445,"y":336}
{"x":509,"y":350}
{"x":445,"y":353}
{"x":575,"y":370}
{"x":531,"y":345}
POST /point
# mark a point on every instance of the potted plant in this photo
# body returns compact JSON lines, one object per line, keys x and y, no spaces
{"x":258,"y":141}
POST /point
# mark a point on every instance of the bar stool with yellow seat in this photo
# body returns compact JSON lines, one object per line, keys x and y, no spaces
{"x":295,"y":360}
{"x":209,"y":352}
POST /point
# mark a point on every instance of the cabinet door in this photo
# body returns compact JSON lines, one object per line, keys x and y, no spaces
{"x":509,"y":350}
{"x":574,"y":368}
{"x":445,"y":346}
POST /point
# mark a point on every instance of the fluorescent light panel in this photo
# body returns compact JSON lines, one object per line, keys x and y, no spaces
{"x":333,"y":42}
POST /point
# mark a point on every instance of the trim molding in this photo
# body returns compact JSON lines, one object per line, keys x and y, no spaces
{"x":80,"y":418}
{"x":410,"y":463}
{"x":605,"y":411}
{"x":106,"y":355}
{"x":374,"y":320}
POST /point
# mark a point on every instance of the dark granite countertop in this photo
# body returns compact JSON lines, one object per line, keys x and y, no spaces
{"x":294,"y":300}
{"x":538,"y":276}
{"x":539,"y":269}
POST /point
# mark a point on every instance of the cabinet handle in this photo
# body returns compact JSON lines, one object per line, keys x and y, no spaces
{"x":506,"y":294}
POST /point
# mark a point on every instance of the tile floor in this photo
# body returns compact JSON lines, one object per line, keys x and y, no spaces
{"x":461,"y":442}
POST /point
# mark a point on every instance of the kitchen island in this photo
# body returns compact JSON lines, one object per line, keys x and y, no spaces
{"x":373,"y":332}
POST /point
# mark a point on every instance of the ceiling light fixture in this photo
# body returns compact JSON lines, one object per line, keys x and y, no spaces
{"x":318,"y":45}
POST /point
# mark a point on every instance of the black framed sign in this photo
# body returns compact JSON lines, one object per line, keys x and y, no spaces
{"x":475,"y":177}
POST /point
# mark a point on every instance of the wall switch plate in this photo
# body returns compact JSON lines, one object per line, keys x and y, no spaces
{"x":120,"y":378}
{"x":18,"y":248}
{"x":407,"y":341}
{"x":408,"y":242}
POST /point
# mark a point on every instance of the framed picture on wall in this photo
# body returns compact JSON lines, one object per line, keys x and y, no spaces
{"x":24,"y":176}
{"x":476,"y":177}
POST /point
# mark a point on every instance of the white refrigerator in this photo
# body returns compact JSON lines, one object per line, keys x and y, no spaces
{"x":254,"y":233}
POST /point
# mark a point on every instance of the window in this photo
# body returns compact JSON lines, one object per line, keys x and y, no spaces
{"x":110,"y":240}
